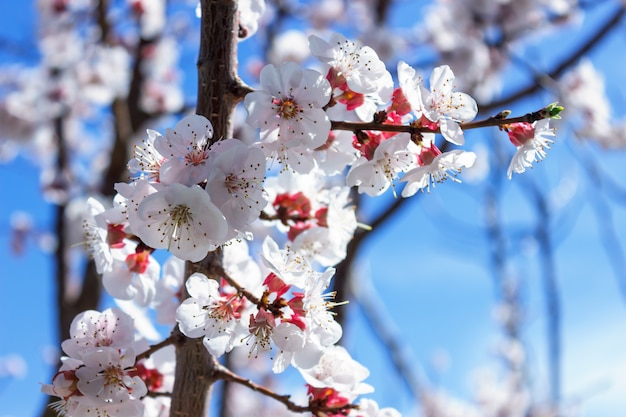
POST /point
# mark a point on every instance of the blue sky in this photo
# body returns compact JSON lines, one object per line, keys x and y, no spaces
{"x":431,"y":276}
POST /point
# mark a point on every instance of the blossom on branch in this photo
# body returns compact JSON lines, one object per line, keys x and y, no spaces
{"x":93,"y":329}
{"x":288,"y":107}
{"x":235,"y":183}
{"x":213,"y":314}
{"x":447,"y":107}
{"x":182,"y":220}
{"x":186,"y":149}
{"x":358,"y":77}
{"x":435,"y":166}
{"x":98,"y":378}
{"x":393,"y":156}
{"x":192,"y":193}
{"x":531,"y":141}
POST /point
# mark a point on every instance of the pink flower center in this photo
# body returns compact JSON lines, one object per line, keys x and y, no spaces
{"x":227,"y":309}
{"x":261,"y":328}
{"x":351,"y":99}
{"x":138,"y":262}
{"x":295,"y":207}
{"x":428,"y":155}
{"x":116,"y":235}
{"x":237,"y":186}
{"x":114,"y":375}
{"x":197,"y":157}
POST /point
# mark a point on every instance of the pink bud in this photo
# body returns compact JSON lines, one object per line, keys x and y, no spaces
{"x":520,"y":133}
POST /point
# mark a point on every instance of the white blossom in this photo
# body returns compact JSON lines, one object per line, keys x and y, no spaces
{"x":92,"y":329}
{"x":392,"y":156}
{"x":531,"y":146}
{"x":105,"y":377}
{"x":359,"y":66}
{"x":336,"y":369}
{"x":288,"y":107}
{"x":235,"y":183}
{"x":182,"y":220}
{"x":446,"y":106}
{"x":435,"y":166}
{"x":186,"y":149}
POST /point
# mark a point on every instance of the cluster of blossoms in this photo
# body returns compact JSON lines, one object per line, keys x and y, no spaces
{"x":100,"y":375}
{"x":193,"y":193}
{"x":287,"y":308}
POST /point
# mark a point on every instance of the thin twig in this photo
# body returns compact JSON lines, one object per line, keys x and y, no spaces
{"x":155,"y":394}
{"x":170,"y":340}
{"x":491,"y":121}
{"x":220,"y":272}
{"x":224,"y":373}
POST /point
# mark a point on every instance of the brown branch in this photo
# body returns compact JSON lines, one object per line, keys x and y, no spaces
{"x":155,"y":394}
{"x":227,"y":375}
{"x":89,"y":295}
{"x":60,"y":226}
{"x":170,"y":340}
{"x":103,"y":22}
{"x":219,"y":90}
{"x":381,"y":8}
{"x":219,"y":272}
{"x":195,"y":366}
{"x":219,"y":86}
{"x":489,"y":122}
{"x":343,"y":273}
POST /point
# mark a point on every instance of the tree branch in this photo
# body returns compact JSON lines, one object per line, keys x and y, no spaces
{"x":219,"y":90}
{"x":497,"y":120}
{"x":227,"y":375}
{"x":219,"y":272}
{"x":170,"y":340}
{"x":195,"y":366}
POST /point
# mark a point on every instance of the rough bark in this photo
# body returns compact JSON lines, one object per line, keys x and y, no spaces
{"x":218,"y":94}
{"x":218,"y":82}
{"x":194,"y":365}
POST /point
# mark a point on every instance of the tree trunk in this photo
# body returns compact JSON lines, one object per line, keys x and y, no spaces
{"x":218,"y":94}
